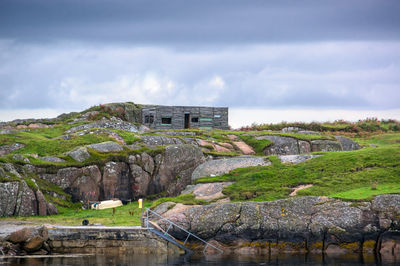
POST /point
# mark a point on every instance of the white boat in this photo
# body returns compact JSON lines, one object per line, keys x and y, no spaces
{"x":106,"y":204}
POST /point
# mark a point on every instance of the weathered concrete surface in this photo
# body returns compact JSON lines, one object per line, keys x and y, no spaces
{"x":83,"y":239}
{"x":29,"y":239}
{"x":223,"y":166}
{"x":302,"y":224}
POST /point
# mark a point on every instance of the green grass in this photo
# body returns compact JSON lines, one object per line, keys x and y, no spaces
{"x":366,"y":125}
{"x":188,"y":199}
{"x":257,"y":144}
{"x":128,"y":137}
{"x":42,"y":142}
{"x":74,"y":216}
{"x":334,"y":172}
{"x":368,"y":192}
{"x":380,"y":139}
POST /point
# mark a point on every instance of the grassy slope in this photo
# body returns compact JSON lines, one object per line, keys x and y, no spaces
{"x":71,"y":216}
{"x":351,"y":175}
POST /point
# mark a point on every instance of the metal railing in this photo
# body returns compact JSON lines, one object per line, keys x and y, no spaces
{"x":189,"y":234}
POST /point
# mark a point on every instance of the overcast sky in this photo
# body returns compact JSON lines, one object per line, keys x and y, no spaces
{"x":267,"y":60}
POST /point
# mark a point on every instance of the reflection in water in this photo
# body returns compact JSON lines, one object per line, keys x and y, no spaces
{"x":152,"y":259}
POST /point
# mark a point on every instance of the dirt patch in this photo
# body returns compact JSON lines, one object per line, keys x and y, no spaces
{"x":294,"y":192}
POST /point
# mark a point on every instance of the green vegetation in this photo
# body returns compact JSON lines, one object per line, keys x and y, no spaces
{"x":44,"y":143}
{"x":188,"y":199}
{"x":355,"y":175}
{"x":331,"y":174}
{"x":128,"y":137}
{"x":127,"y":215}
{"x":367,"y":125}
{"x":368,"y":192}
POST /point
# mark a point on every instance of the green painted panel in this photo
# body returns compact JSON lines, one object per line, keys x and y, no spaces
{"x":206,"y":119}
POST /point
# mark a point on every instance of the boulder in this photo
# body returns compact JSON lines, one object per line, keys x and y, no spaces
{"x":223,"y":166}
{"x":8,"y":198}
{"x":8,"y":131}
{"x":116,"y":124}
{"x":108,"y":146}
{"x":226,"y":145}
{"x":281,"y":145}
{"x":33,"y":244}
{"x":244,"y":148}
{"x":150,"y":140}
{"x":294,"y":159}
{"x":176,"y":168}
{"x":204,"y":143}
{"x":325,"y":145}
{"x":20,"y":157}
{"x":348,"y":144}
{"x":219,"y":148}
{"x":79,"y":154}
{"x":52,"y":159}
{"x":117,"y":181}
{"x":207,"y":191}
{"x":164,"y":207}
{"x":6,"y":149}
{"x":388,"y":209}
{"x":304,"y":146}
{"x":21,"y":235}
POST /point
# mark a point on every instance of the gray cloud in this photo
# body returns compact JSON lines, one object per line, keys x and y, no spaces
{"x":177,"y":22}
{"x":244,"y":54}
{"x":325,"y":75}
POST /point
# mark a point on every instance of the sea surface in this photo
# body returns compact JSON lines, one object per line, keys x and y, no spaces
{"x":200,"y":259}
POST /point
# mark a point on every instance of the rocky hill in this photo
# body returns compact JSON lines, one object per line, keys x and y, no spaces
{"x":103,"y":153}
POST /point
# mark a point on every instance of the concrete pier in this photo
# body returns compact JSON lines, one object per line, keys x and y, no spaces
{"x":101,"y":239}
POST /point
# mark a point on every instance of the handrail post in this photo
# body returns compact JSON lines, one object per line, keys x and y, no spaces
{"x":170,"y":224}
{"x":187,"y":239}
{"x":148,"y":211}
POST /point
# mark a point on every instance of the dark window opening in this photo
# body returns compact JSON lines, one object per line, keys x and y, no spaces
{"x":187,"y":120}
{"x":149,"y":119}
{"x":166,"y":120}
{"x":195,"y":120}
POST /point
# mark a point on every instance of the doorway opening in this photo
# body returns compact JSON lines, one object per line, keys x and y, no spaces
{"x":187,"y":120}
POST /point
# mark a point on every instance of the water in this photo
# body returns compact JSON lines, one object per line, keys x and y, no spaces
{"x":136,"y":259}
